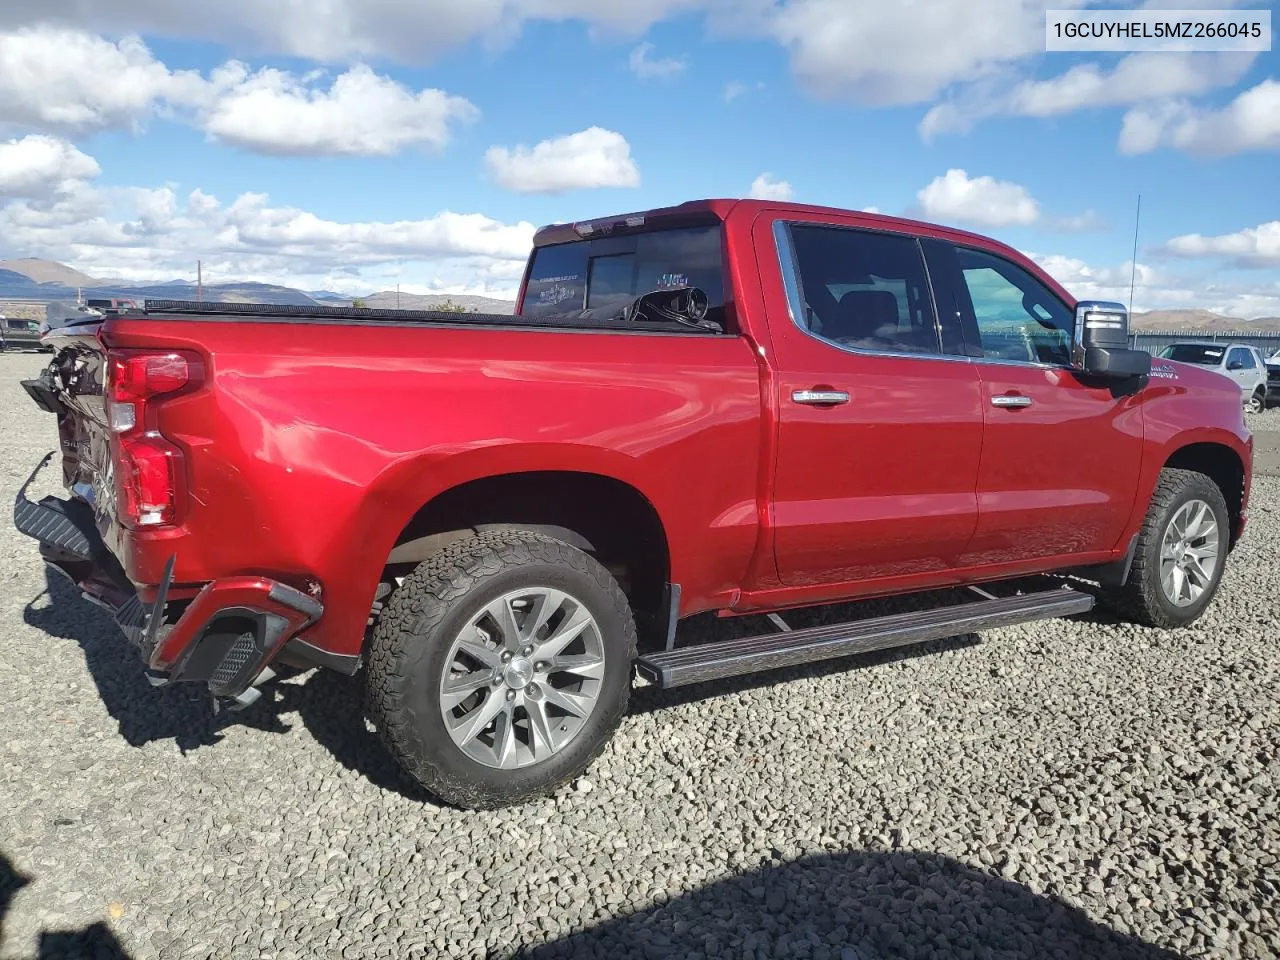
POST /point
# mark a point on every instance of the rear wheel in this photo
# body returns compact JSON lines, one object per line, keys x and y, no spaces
{"x":1178,"y":562}
{"x":501,"y":667}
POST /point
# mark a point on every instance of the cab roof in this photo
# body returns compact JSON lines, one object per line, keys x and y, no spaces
{"x":697,"y":212}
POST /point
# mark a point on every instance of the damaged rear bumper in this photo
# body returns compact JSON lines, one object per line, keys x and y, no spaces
{"x":224,"y":636}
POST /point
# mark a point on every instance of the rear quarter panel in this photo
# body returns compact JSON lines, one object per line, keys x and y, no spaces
{"x":312,"y":445}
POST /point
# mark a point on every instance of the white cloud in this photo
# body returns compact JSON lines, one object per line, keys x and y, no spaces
{"x":592,"y":158}
{"x":881,"y":53}
{"x":955,"y":196}
{"x":145,"y":234}
{"x":299,"y":232}
{"x":1252,"y":247}
{"x":65,"y":80}
{"x":735,"y":89}
{"x":342,"y":31}
{"x":1137,"y":78}
{"x":767,"y":187}
{"x":1157,"y":289}
{"x":1250,"y":122}
{"x":1080,"y":223}
{"x":1099,"y":283}
{"x":39,"y":166}
{"x":361,"y":113}
{"x":867,"y":50}
{"x":646,"y":68}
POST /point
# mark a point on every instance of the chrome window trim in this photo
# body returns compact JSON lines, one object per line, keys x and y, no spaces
{"x":1006,"y":362}
{"x":791,"y":284}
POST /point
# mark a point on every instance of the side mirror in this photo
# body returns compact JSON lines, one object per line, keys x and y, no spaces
{"x":1101,"y":346}
{"x":1235,"y":365}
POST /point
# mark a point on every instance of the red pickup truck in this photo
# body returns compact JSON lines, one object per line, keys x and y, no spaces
{"x":729,"y":406}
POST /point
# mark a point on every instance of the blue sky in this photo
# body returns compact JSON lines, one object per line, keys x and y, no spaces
{"x":333,"y":155}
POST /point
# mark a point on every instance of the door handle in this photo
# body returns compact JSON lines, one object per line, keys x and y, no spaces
{"x":820,"y":398}
{"x":1009,"y":400}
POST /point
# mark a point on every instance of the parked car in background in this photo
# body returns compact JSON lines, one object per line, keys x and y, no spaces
{"x":1240,"y":362}
{"x":17,"y":333}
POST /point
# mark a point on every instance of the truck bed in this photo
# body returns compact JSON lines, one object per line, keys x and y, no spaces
{"x":316,"y":435}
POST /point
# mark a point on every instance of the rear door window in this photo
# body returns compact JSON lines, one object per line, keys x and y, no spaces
{"x":863,"y":289}
{"x":598,"y":277}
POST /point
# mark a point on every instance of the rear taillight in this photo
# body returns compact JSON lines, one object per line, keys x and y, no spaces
{"x":149,"y":468}
{"x":133,"y":378}
{"x":148,"y":472}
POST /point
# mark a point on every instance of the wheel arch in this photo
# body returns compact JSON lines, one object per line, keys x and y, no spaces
{"x":1221,"y":464}
{"x":599,"y":514}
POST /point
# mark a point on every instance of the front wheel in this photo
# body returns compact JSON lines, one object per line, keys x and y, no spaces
{"x":1181,"y":549}
{"x":1257,"y":403}
{"x":501,"y":667}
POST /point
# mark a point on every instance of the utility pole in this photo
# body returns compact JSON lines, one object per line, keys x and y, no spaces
{"x":397,"y":296}
{"x":200,"y":280}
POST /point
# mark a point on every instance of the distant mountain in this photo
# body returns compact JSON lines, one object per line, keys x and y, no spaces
{"x":388,"y":299}
{"x":13,"y":278}
{"x":216,"y":292}
{"x":49,"y":271}
{"x":17,"y":286}
{"x":1201,"y":320}
{"x":33,"y":279}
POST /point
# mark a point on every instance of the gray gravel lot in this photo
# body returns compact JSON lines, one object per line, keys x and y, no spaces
{"x":1073,"y":789}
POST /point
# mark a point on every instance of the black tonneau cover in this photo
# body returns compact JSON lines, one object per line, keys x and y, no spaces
{"x":362,"y":315}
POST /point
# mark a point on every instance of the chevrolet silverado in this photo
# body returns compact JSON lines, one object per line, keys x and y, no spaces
{"x":738,"y":407}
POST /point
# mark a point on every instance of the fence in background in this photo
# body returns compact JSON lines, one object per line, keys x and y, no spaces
{"x":1153,"y":341}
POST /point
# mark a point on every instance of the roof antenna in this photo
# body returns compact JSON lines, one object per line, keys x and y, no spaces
{"x":1133,"y":266}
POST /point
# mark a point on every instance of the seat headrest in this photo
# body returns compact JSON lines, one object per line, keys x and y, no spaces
{"x":862,"y":313}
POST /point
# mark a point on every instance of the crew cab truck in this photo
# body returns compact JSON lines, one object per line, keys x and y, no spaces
{"x":729,"y":406}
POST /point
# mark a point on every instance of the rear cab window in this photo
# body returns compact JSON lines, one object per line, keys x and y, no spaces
{"x":597,"y":277}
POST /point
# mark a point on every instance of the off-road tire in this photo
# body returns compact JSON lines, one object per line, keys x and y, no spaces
{"x":1142,"y":598}
{"x":411,"y":641}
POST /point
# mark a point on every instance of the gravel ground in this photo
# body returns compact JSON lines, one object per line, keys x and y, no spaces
{"x":1073,"y":789}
